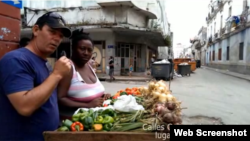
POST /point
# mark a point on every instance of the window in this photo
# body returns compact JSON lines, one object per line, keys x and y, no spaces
{"x":221,"y":22}
{"x":244,"y":4}
{"x":219,"y":54}
{"x":210,"y":56}
{"x":214,"y":27}
{"x":213,"y":55}
{"x":241,"y":51}
{"x":230,"y":12}
{"x":228,"y":52}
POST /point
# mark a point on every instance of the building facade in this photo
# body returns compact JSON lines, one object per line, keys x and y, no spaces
{"x":228,"y":43}
{"x":130,"y":30}
{"x":198,"y":47}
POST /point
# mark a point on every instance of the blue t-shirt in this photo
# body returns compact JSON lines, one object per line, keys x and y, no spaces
{"x":21,"y":70}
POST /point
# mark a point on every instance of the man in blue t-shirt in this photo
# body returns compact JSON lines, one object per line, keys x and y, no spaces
{"x":28,"y":97}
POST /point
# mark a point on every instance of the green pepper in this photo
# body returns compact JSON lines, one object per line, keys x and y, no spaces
{"x":109,"y":112}
{"x":83,"y":116}
{"x":100,"y":111}
{"x":88,"y":122}
{"x":123,"y":93}
{"x":98,"y":120}
{"x":107,"y":126}
{"x":82,"y":111}
{"x":76,"y":117}
{"x":95,"y":115}
{"x":108,"y":119}
{"x":90,"y":112}
{"x":63,"y":128}
{"x":67,"y":123}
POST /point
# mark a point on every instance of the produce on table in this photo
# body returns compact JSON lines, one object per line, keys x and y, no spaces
{"x":76,"y":126}
{"x":159,"y":100}
{"x":101,"y":120}
{"x":161,"y":109}
{"x":127,"y":91}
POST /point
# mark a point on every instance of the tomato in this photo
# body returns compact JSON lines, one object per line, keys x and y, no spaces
{"x":129,"y":92}
{"x":135,"y":89}
{"x":105,"y":105}
{"x":115,"y":97}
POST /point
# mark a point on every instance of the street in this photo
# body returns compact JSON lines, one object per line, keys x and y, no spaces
{"x":210,"y":97}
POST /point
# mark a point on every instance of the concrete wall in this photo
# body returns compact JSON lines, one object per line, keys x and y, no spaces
{"x":9,"y":28}
{"x":97,"y":16}
{"x":109,"y":38}
{"x":234,"y":64}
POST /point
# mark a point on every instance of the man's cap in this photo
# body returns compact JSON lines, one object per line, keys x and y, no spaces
{"x":55,"y":21}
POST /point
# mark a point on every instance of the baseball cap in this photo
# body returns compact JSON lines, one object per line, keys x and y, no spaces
{"x":54,"y":20}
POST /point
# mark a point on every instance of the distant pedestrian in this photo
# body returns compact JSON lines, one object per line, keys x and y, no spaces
{"x":130,"y":70}
{"x":111,"y":68}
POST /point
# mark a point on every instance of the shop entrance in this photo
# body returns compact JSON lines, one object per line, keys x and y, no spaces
{"x":129,"y":54}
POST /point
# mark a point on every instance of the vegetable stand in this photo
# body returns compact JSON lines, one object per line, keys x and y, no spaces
{"x":137,"y":114}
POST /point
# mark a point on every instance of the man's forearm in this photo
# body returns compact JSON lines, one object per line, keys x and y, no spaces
{"x":36,"y":97}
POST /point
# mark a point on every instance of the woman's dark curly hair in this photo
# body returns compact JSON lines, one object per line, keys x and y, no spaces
{"x":78,"y":35}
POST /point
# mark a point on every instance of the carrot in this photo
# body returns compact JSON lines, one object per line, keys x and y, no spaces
{"x":97,"y":127}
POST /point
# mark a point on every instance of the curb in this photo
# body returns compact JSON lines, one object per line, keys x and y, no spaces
{"x":220,"y":71}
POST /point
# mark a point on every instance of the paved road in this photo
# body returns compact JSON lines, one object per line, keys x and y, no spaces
{"x":210,"y":94}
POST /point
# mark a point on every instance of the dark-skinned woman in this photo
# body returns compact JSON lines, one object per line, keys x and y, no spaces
{"x":81,"y":88}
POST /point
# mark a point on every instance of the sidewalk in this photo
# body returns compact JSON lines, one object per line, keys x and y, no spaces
{"x":234,"y":74}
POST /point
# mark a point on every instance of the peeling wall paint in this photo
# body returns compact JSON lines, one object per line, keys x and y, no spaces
{"x":5,"y":30}
{"x":9,"y":28}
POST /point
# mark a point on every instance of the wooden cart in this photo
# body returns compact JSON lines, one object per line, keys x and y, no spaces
{"x":100,"y":136}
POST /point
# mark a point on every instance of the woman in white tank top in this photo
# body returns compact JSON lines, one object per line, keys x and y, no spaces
{"x":81,"y":88}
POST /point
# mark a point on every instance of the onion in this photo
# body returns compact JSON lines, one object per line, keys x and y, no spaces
{"x":163,"y":98}
{"x":151,"y":85}
{"x":170,"y":105}
{"x":168,"y":118}
{"x":156,"y":95}
{"x":161,"y":89}
{"x":159,"y":104}
{"x":162,"y":84}
{"x":175,"y":118}
{"x":159,"y":109}
{"x":171,"y":98}
{"x":164,"y":112}
{"x":156,"y":85}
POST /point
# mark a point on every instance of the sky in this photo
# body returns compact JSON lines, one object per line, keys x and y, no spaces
{"x":186,"y":18}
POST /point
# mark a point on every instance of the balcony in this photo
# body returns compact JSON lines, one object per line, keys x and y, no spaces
{"x":210,"y":41}
{"x":215,"y":8}
{"x":222,"y":31}
{"x":130,"y":3}
{"x":199,"y":44}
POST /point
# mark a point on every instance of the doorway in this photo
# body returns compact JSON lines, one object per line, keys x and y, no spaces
{"x":130,"y":54}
